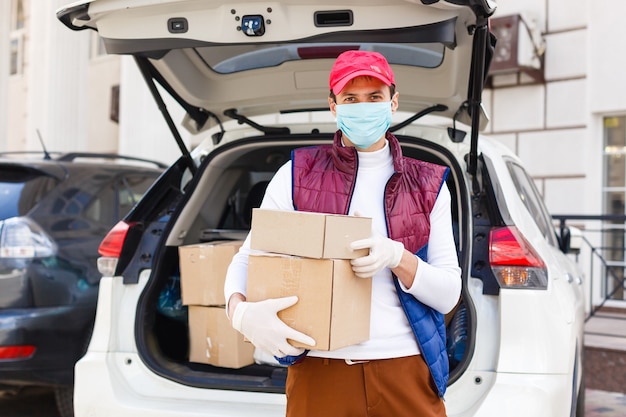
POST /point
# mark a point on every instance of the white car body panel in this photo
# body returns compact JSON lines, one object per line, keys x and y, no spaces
{"x":111,"y":380}
{"x":523,"y":395}
{"x":118,"y":385}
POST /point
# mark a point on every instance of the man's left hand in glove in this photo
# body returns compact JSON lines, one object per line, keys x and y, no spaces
{"x":384,"y":253}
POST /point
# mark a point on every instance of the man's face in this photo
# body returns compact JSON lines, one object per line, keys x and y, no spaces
{"x":364,"y":90}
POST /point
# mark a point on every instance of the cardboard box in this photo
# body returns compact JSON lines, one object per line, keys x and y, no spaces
{"x":203,"y":271}
{"x":312,"y":235}
{"x":213,"y":341}
{"x":333,"y":304}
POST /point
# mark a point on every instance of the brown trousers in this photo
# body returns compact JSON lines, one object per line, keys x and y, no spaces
{"x":399,"y":387}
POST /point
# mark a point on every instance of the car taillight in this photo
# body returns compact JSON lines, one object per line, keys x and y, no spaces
{"x":113,"y":242}
{"x":20,"y":237}
{"x":111,"y":247}
{"x":514,"y":262}
{"x":16,"y":352}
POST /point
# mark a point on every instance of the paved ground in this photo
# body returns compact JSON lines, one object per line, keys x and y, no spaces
{"x":40,"y":403}
{"x":33,"y":402}
{"x":605,"y":351}
{"x":605,"y":404}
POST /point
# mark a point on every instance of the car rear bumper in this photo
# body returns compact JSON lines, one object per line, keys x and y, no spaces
{"x":59,"y":335}
{"x":529,"y":395}
{"x":508,"y":394}
{"x":120,"y":385}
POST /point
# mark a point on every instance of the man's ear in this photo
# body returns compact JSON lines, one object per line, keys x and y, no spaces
{"x":394,"y":102}
{"x":333,"y":106}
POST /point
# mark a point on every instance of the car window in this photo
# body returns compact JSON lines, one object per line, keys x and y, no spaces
{"x":533,"y":201}
{"x":226,"y":59}
{"x":71,"y":201}
{"x":116,"y":199}
{"x":131,"y":189}
{"x":21,"y":190}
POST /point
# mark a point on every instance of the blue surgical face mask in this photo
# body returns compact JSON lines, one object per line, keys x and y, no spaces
{"x":364,"y":123}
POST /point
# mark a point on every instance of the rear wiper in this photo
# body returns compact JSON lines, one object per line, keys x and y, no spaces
{"x":232,"y":113}
{"x":428,"y":110}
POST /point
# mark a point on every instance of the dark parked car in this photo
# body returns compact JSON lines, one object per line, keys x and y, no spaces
{"x":53,"y":214}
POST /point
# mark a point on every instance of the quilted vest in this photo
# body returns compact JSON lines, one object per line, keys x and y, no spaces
{"x":323,"y":181}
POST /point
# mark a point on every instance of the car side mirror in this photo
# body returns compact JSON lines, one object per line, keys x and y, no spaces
{"x":570,"y":240}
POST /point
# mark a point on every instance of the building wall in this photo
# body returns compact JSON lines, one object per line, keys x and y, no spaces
{"x":14,"y":85}
{"x":555,"y":127}
{"x":143,"y":130}
{"x":606,"y":57}
{"x":61,"y":93}
{"x":104,"y":73}
{"x":548,"y":124}
{"x":5,"y":11}
{"x":56,"y":79}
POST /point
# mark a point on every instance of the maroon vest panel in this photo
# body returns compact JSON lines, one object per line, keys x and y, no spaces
{"x":324,"y":178}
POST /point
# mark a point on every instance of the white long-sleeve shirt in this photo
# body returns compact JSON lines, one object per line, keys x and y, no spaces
{"x":436,"y":284}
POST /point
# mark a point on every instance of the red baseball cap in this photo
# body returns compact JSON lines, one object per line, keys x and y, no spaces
{"x":351,"y":64}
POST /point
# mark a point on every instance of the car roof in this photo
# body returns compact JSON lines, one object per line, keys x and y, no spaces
{"x":60,"y":165}
{"x":200,"y":52}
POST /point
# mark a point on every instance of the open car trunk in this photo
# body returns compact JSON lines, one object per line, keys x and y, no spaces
{"x":201,"y":54}
{"x":217,"y":206}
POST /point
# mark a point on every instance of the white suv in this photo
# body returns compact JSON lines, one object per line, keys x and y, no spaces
{"x":252,"y":77}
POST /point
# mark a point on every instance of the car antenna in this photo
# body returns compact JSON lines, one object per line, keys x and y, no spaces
{"x":46,"y":155}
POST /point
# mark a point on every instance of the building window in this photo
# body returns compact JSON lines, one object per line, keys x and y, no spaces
{"x":114,"y":112}
{"x":16,"y":43}
{"x":17,"y":15}
{"x":615,"y":204}
{"x":15,"y":58}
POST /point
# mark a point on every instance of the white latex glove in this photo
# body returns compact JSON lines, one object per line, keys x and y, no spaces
{"x":259,"y":323}
{"x":384,"y":253}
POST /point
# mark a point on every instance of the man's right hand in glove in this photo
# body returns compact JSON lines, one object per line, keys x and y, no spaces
{"x":259,"y":323}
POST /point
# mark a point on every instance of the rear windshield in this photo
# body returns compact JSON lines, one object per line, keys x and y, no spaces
{"x":21,"y":190}
{"x":227,"y":59}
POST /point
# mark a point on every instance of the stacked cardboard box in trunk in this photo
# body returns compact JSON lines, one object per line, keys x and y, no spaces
{"x":212,"y":340}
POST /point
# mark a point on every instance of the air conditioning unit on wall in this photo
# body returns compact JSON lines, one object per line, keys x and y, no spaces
{"x":519,"y":48}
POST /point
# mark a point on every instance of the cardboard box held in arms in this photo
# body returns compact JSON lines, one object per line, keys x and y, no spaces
{"x":213,"y":341}
{"x":333,"y":304}
{"x":203,"y":269}
{"x":312,"y":235}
